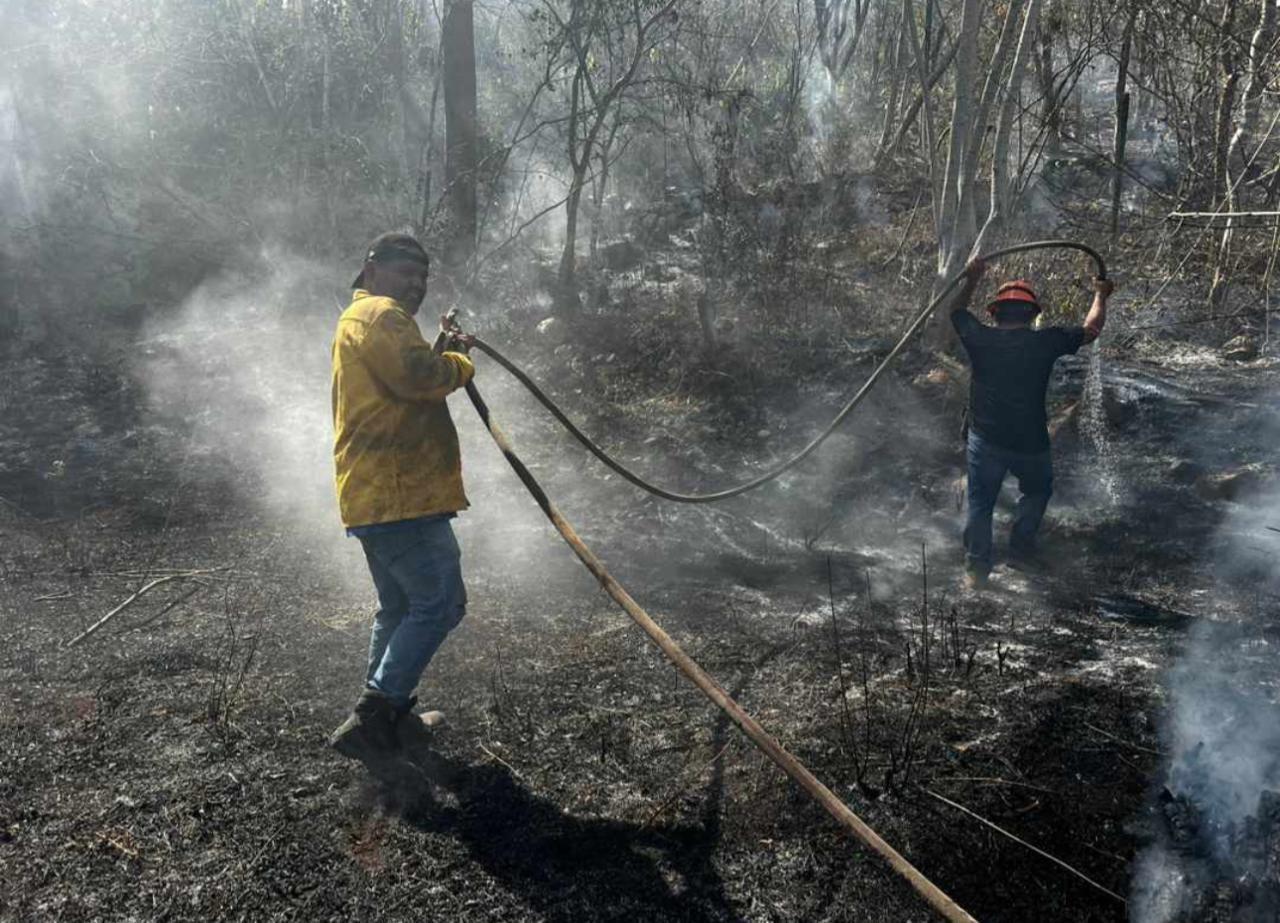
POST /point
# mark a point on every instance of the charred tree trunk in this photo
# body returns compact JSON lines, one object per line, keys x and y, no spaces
{"x":956,"y":228}
{"x":1051,"y":108}
{"x":897,"y":77}
{"x":1229,"y":75}
{"x":1233,"y":174}
{"x":567,"y":298}
{"x":599,"y":185}
{"x":460,"y":127}
{"x":1122,"y":122}
{"x":426,"y":166}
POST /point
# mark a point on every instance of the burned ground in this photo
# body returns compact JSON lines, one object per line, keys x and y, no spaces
{"x":172,"y":765}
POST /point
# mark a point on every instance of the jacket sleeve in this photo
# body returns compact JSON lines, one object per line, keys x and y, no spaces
{"x":402,"y":360}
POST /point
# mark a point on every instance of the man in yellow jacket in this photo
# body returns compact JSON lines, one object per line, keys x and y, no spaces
{"x":399,"y":479}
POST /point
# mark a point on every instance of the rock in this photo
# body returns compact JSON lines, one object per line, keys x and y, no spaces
{"x":1183,"y":471}
{"x":553,"y":330}
{"x":1240,"y":349}
{"x":622,"y":255}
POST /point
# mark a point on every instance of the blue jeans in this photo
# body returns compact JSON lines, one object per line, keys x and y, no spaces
{"x":988,"y":464}
{"x":417,"y":571}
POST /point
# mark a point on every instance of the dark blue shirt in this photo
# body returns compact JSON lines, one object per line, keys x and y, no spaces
{"x":1011,"y":368}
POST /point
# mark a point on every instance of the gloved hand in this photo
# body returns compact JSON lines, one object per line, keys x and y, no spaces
{"x":453,"y":338}
{"x":466,"y":369}
{"x":1103,"y":287}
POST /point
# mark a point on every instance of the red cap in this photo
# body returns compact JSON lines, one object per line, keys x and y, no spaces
{"x":1018,"y":291}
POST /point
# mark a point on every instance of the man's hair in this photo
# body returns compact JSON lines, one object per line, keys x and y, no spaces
{"x":391,"y":247}
{"x":1014,"y":312}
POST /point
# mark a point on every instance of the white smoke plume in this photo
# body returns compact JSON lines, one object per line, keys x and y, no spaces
{"x":245,"y":362}
{"x":1223,"y":740}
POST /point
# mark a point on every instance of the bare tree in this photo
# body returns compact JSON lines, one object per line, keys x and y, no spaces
{"x":608,"y":42}
{"x":1261,"y":50}
{"x":460,"y":126}
{"x":1003,"y":181}
{"x":1122,"y":120}
{"x":840,"y":27}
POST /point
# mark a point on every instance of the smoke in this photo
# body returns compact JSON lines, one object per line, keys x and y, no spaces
{"x":1216,"y":812}
{"x":244,"y":363}
{"x":821,"y":103}
{"x":244,"y":360}
{"x":1224,"y":736}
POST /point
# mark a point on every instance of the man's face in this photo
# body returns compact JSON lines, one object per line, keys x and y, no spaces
{"x":403,"y":280}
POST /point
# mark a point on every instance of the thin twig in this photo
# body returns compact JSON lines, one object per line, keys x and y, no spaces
{"x":168,"y":607}
{"x":146,"y":588}
{"x":994,"y":780}
{"x":497,"y":759}
{"x":845,"y":718}
{"x":1035,"y":849}
{"x":115,"y":843}
{"x":65,"y":594}
{"x":902,"y":242}
{"x":1121,"y":740}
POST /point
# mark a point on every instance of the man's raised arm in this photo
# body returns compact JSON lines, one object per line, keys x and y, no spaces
{"x":1096,"y":319}
{"x":960,"y":316}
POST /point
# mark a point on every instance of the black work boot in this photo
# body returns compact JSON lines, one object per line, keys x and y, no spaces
{"x":370,"y":732}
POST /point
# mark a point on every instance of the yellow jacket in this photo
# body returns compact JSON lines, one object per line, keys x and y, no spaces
{"x":395,"y":450}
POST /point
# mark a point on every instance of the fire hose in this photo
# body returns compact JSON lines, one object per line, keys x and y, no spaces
{"x":945,"y":907}
{"x":916,"y":325}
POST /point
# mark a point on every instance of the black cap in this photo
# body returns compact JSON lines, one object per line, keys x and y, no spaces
{"x":390,"y":247}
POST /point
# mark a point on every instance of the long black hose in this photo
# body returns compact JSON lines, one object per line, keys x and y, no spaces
{"x":809,"y":449}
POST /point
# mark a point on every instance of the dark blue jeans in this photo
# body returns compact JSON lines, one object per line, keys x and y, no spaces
{"x":988,"y":464}
{"x":417,"y":571}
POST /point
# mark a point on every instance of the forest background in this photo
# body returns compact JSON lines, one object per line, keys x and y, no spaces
{"x":541,"y":147}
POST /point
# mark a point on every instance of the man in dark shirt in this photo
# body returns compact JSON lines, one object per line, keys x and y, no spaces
{"x":1008,"y":430}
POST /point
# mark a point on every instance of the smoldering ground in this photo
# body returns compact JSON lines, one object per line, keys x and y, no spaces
{"x":1214,"y":819}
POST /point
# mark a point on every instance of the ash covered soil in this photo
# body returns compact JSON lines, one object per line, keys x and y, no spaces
{"x":172,"y":766}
